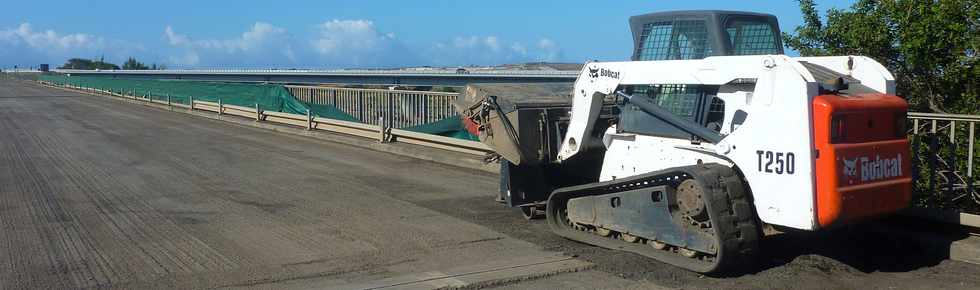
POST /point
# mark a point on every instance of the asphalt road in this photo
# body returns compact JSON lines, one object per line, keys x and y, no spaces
{"x":101,"y":193}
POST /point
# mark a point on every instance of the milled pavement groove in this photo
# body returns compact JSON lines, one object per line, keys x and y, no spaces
{"x":100,"y":192}
{"x":97,"y":193}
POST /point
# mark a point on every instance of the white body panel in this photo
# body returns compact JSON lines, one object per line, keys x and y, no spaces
{"x":629,"y":154}
{"x":777,"y":124}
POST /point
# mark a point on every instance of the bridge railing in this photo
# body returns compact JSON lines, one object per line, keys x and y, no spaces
{"x":384,"y":134}
{"x":945,"y":160}
{"x":398,"y":108}
{"x":441,"y":72}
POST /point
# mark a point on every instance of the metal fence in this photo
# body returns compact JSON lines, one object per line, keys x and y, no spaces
{"x":398,"y":108}
{"x":945,"y":160}
{"x":425,"y":72}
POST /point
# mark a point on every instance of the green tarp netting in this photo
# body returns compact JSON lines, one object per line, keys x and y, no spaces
{"x":269,"y":97}
{"x":449,"y":127}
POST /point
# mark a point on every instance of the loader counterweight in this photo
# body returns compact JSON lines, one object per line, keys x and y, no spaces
{"x":863,"y":165}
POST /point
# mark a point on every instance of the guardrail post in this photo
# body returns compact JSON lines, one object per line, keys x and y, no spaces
{"x":425,"y":109}
{"x":360,"y":105}
{"x":169,"y":104}
{"x":190,"y":102}
{"x":952,"y":156}
{"x":258,"y":113}
{"x":969,"y":162}
{"x":933,"y":151}
{"x":309,"y":119}
{"x":221,"y":107}
{"x":390,"y":109}
{"x":381,"y":130}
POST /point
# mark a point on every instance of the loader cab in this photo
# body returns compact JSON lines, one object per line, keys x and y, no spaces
{"x":686,"y":35}
{"x":693,"y":103}
{"x":697,"y":34}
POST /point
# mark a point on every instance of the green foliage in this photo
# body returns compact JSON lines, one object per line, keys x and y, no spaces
{"x":132,"y":64}
{"x":81,"y":63}
{"x":931,"y":46}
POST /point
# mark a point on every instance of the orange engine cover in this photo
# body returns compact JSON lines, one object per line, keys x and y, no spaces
{"x":863,"y":165}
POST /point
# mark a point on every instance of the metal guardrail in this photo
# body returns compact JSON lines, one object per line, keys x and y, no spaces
{"x":945,"y":158}
{"x":381,"y":133}
{"x":434,"y":72}
{"x":21,"y":70}
{"x":406,"y":77}
{"x":397,"y":108}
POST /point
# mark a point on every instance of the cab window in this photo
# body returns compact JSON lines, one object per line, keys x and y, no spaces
{"x":751,"y":37}
{"x":674,"y":40}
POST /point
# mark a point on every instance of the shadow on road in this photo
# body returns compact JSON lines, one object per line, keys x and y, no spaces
{"x":889,"y":245}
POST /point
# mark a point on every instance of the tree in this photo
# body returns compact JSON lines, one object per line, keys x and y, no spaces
{"x":931,"y":46}
{"x":132,"y":64}
{"x":81,"y":63}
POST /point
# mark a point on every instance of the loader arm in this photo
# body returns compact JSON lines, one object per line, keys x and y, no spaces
{"x":594,"y":83}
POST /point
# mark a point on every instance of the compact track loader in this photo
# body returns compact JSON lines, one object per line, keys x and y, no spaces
{"x":710,"y":133}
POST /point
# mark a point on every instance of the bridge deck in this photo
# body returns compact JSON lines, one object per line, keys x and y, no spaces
{"x":96,"y":192}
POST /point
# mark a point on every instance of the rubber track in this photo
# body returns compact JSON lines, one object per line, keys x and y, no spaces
{"x":729,"y":208}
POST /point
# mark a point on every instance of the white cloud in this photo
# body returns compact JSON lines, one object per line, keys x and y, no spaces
{"x":336,"y":43}
{"x":358,"y":43}
{"x":491,"y":50}
{"x":518,"y":48}
{"x":263,"y":44}
{"x":49,"y":39}
{"x":477,"y":42}
{"x":341,"y":35}
{"x":548,"y":50}
{"x":173,"y":38}
{"x":25,"y":45}
{"x":188,"y":59}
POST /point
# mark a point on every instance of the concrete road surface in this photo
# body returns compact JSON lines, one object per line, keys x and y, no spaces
{"x":97,"y":193}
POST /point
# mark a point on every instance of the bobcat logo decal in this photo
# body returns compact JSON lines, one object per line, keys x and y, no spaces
{"x":850,"y":167}
{"x":593,"y":72}
{"x":873,"y":169}
{"x":601,"y":72}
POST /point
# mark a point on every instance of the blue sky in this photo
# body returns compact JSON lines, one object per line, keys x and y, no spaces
{"x":337,"y":34}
